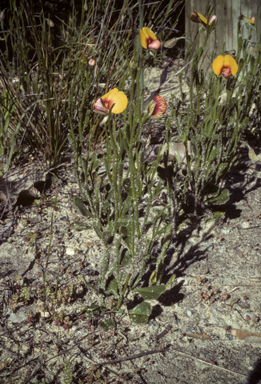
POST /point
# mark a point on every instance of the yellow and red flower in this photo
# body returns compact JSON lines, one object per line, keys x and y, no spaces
{"x":157,"y":107}
{"x":198,"y":18}
{"x":148,"y":39}
{"x":224,"y":65}
{"x":251,"y":20}
{"x":104,"y":103}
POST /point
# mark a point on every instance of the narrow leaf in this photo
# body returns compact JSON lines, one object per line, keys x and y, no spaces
{"x":221,"y":199}
{"x":81,"y":206}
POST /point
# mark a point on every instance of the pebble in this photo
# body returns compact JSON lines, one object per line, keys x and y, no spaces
{"x":229,"y":336}
{"x":225,"y":230}
{"x":250,"y":314}
{"x":35,"y":219}
{"x":19,"y":316}
{"x":70,"y":251}
{"x":245,"y":224}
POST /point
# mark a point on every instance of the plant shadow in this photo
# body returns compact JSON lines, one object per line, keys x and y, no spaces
{"x":254,"y":376}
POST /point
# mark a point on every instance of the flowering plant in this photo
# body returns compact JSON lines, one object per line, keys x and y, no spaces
{"x":148,"y":39}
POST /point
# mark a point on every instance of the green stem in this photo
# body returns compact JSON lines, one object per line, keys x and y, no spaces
{"x":124,"y":290}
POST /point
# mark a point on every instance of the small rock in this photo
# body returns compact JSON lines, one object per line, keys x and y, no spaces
{"x":225,"y":230}
{"x":228,"y":336}
{"x":70,"y":251}
{"x":19,"y":316}
{"x":243,"y":304}
{"x":249,"y":314}
{"x":245,"y":224}
{"x":35,"y":219}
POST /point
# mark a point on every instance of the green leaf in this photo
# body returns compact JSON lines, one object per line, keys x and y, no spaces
{"x":141,"y":313}
{"x":125,"y":258}
{"x":137,"y":42}
{"x":218,"y":214}
{"x":171,"y":280}
{"x":251,"y":154}
{"x":95,"y":163}
{"x":80,"y":225}
{"x":107,"y":237}
{"x":127,"y":186}
{"x":81,"y":206}
{"x":153,"y":278}
{"x":151,"y":293}
{"x":129,"y":14}
{"x":124,"y":231}
{"x":113,"y":286}
{"x":221,"y":199}
{"x":104,"y":235}
{"x":213,"y":154}
{"x":162,"y":230}
{"x":107,"y":324}
{"x":95,"y":309}
{"x":221,"y":169}
{"x":91,"y":308}
{"x":98,"y":231}
{"x":106,"y":207}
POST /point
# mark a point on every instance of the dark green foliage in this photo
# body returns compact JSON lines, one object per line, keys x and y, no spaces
{"x":141,"y":313}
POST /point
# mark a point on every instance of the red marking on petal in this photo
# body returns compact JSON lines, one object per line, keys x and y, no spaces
{"x":226,"y":72}
{"x":160,"y":107}
{"x":100,"y":107}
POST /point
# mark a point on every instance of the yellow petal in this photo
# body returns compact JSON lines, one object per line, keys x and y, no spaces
{"x":203,"y":19}
{"x":120,"y":101}
{"x":148,"y":33}
{"x":115,"y":97}
{"x":145,"y":34}
{"x":229,"y":61}
{"x":110,"y":94}
{"x":251,"y":20}
{"x":143,"y":39}
{"x":218,"y":64}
